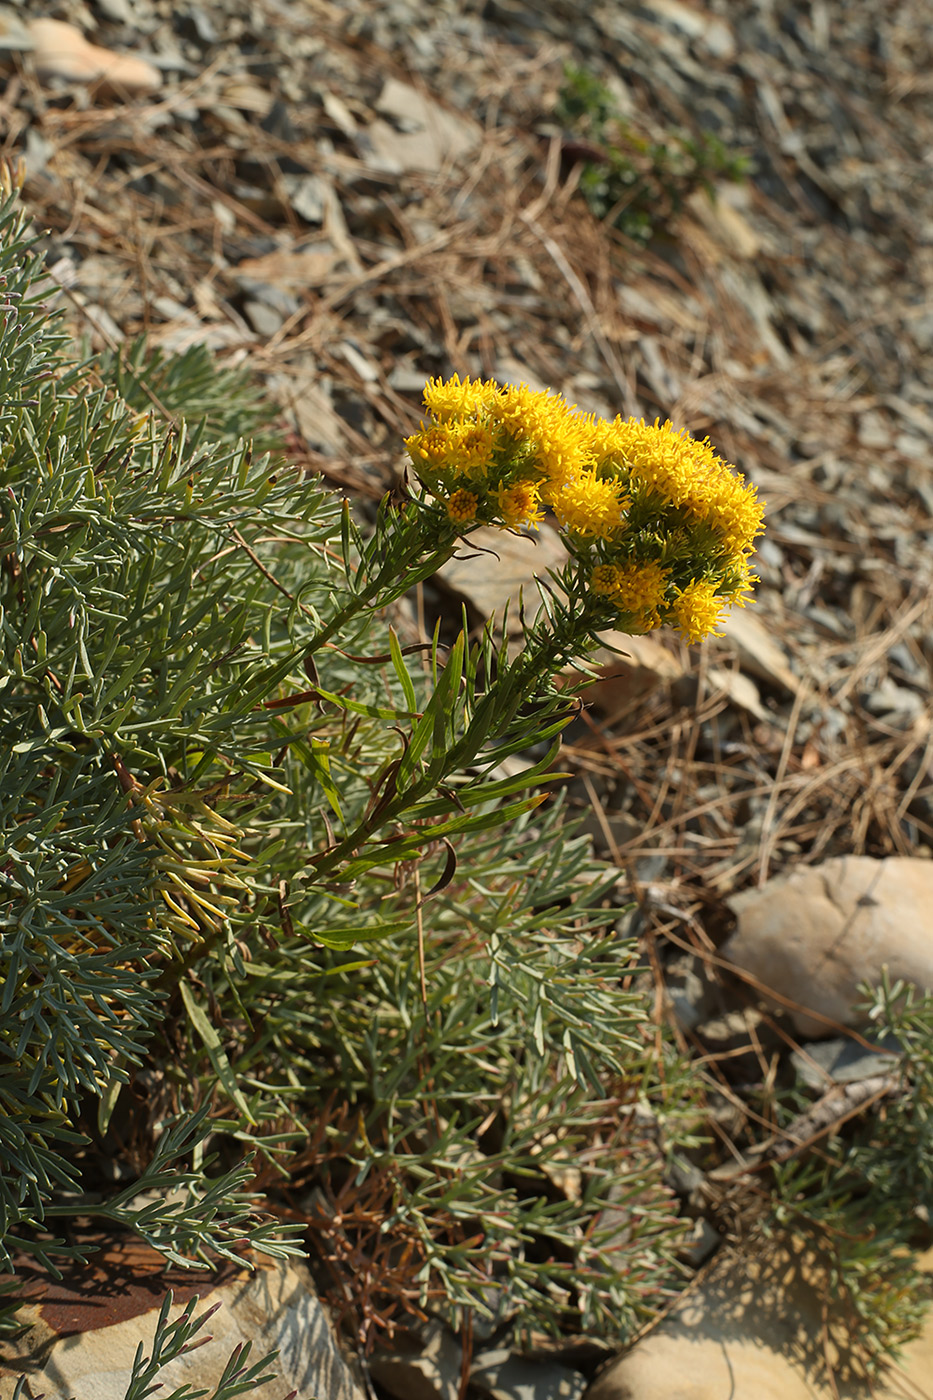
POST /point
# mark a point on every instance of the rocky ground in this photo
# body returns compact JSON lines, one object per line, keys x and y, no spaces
{"x":354,"y":196}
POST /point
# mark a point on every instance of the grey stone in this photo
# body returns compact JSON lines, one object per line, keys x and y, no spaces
{"x":434,"y":1373}
{"x":264,"y":319}
{"x":120,"y":11}
{"x":692,"y":995}
{"x":423,"y":135}
{"x":406,"y":379}
{"x":699,"y":1244}
{"x":843,"y":1061}
{"x":309,"y":196}
{"x":14,"y":36}
{"x":505,"y":1376}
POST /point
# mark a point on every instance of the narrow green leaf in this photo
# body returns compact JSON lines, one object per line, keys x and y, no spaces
{"x":216,"y":1052}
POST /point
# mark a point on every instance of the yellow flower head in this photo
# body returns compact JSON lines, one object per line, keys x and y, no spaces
{"x":587,"y":505}
{"x":472,"y":448}
{"x":697,"y":610}
{"x":735,"y":513}
{"x":519,"y":504}
{"x":432,"y":447}
{"x":456,"y":399}
{"x":605,"y":579}
{"x":608,"y":442}
{"x":684,"y":472}
{"x":659,"y":525}
{"x":556,"y":433}
{"x":461,"y":507}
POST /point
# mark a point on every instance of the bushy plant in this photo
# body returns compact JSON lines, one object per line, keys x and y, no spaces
{"x":222,"y":774}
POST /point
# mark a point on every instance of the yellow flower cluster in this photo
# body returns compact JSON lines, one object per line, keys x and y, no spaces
{"x":682,"y":472}
{"x":661,"y":528}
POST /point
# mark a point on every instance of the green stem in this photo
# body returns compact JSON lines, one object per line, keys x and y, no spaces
{"x":526,"y":681}
{"x":401,"y":553}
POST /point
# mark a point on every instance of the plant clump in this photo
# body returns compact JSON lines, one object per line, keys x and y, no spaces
{"x":294,"y":957}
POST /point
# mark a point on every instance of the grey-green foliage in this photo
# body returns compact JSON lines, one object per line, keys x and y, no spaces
{"x":221,"y":404}
{"x":135,"y":632}
{"x":521,"y":1069}
{"x":864,"y":1197}
{"x":219,"y":772}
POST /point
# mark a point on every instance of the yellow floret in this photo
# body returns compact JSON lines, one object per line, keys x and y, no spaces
{"x":432,"y":447}
{"x":461,"y":507}
{"x":519,"y":504}
{"x":605,"y":579}
{"x":473,"y":447}
{"x":640,"y":587}
{"x":588,"y":505}
{"x":735,"y":513}
{"x":609,"y":441}
{"x":674,"y":464}
{"x":697,"y":610}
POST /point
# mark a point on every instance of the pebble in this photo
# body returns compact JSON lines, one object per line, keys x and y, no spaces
{"x":61,"y":51}
{"x":14,"y":36}
{"x":432,"y":1373}
{"x":502,"y":1375}
{"x":843,"y":1061}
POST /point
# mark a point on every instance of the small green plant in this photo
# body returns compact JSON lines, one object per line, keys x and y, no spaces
{"x":635,"y":182}
{"x":863,"y":1198}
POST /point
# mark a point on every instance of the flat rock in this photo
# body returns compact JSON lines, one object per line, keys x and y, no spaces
{"x":502,"y":1375}
{"x":293,"y":269}
{"x":433,"y":1373}
{"x":422,"y":135}
{"x":758,"y":652}
{"x":843,"y":1061}
{"x":61,"y":51}
{"x":629,"y":668}
{"x":815,"y":935}
{"x":83,"y":1333}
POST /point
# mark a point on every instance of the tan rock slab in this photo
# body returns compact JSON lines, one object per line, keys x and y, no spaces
{"x":815,"y":935}
{"x":494,"y":567}
{"x":61,"y":51}
{"x":629,"y":668}
{"x":84,"y":1333}
{"x":430,"y":136}
{"x":294,"y":269}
